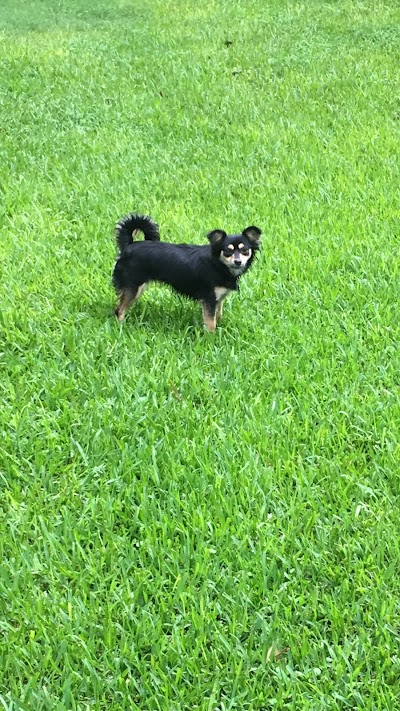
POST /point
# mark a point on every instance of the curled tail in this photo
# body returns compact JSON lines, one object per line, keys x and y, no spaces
{"x":128,"y":225}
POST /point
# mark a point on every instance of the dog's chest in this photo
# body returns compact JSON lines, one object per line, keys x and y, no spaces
{"x":220,"y":292}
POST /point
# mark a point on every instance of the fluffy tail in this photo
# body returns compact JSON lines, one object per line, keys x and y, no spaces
{"x":127,"y":226}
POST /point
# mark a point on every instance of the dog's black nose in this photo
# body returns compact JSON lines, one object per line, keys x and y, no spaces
{"x":238,"y":262}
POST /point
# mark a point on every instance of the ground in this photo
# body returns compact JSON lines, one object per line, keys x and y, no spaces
{"x":196,"y":521}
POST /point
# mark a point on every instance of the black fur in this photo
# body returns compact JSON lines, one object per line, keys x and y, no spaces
{"x":205,"y":273}
{"x":128,"y":224}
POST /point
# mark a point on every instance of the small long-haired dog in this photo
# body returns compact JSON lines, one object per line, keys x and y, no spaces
{"x":206,"y":273}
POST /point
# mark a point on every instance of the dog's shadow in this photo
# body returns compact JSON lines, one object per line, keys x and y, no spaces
{"x":173,"y":317}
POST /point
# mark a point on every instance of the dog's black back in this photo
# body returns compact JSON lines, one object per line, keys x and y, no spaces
{"x":191,"y":270}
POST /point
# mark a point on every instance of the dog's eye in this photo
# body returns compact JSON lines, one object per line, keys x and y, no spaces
{"x":245,"y":251}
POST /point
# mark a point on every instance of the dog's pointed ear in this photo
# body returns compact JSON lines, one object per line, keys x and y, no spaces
{"x":253,"y":234}
{"x":216,"y":236}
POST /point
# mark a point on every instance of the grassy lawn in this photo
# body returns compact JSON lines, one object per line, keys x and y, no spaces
{"x":196,"y":521}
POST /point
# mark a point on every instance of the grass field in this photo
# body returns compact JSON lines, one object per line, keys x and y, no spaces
{"x":196,"y":521}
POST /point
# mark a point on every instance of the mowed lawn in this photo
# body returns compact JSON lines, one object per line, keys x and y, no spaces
{"x":197,"y":521}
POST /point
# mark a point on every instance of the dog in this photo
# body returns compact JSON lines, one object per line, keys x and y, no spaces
{"x":205,"y":273}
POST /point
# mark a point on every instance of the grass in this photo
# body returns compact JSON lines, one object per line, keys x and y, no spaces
{"x":192,"y":521}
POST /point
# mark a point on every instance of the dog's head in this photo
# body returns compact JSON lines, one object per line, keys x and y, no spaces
{"x":236,"y":252}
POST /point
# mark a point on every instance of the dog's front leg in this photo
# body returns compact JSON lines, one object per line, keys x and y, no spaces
{"x":220,"y":294}
{"x":209,"y":315}
{"x":219,"y":309}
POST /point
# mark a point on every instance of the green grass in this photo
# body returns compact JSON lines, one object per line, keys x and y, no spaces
{"x":192,"y":521}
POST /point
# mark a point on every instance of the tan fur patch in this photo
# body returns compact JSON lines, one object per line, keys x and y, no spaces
{"x":229,"y":261}
{"x":125,"y":300}
{"x":140,"y":292}
{"x":220,"y":292}
{"x":226,"y":260}
{"x":208,"y":319}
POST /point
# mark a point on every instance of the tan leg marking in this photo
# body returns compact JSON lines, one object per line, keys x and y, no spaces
{"x":125,"y":300}
{"x":218,"y":312}
{"x":220,"y":294}
{"x":139,"y":292}
{"x":209,"y":319}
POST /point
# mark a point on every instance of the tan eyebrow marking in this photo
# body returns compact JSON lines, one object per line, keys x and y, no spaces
{"x":231,"y":247}
{"x":241,"y":245}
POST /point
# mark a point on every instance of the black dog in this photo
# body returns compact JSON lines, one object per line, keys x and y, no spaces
{"x":204,"y":273}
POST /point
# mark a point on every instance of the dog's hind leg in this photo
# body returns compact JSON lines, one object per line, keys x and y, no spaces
{"x":125,"y":300}
{"x":127,"y":296}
